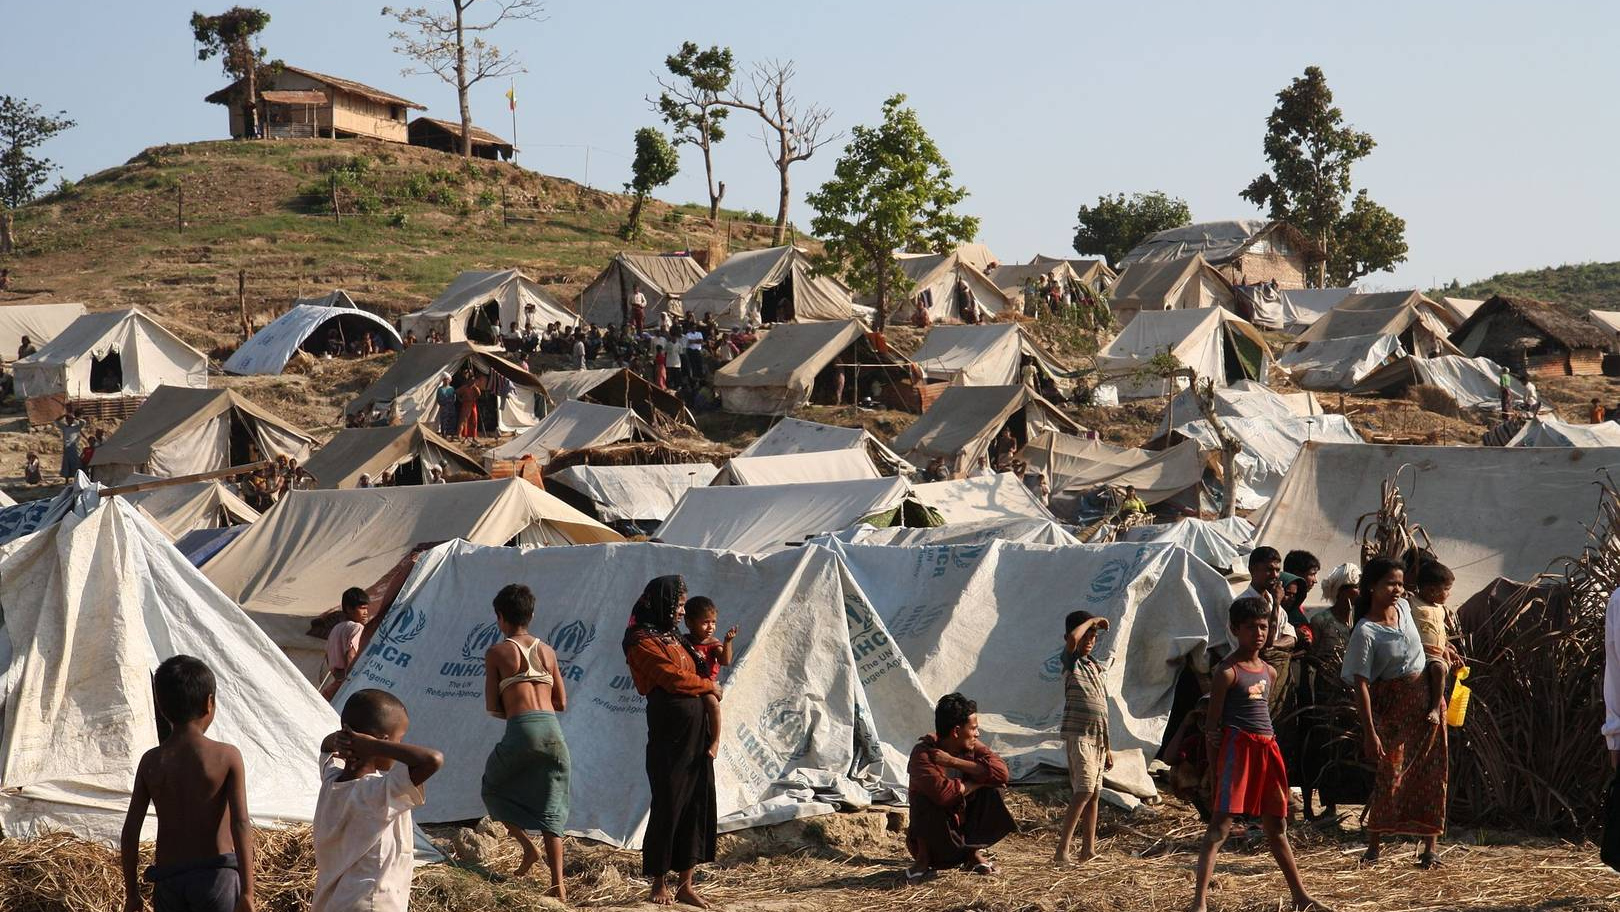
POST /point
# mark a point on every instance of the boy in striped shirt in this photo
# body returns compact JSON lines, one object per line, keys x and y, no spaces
{"x":1085,"y":731}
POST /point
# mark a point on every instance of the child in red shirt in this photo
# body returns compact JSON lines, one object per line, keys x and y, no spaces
{"x":702,"y":618}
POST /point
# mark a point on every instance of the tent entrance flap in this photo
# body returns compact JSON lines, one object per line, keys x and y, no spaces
{"x":484,"y":323}
{"x":776,"y":302}
{"x":1244,"y":359}
{"x":107,"y":373}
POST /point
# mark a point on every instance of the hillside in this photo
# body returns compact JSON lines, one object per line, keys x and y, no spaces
{"x":411,"y":219}
{"x":1584,"y":286}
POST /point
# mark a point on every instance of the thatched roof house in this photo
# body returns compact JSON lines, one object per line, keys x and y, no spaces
{"x":445,"y":136}
{"x":1533,"y":337}
{"x":1246,"y":251}
{"x":303,"y":103}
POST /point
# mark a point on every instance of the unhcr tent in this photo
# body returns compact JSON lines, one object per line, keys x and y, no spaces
{"x":294,"y":563}
{"x":821,"y":709}
{"x":181,"y":431}
{"x":768,"y":286}
{"x":1473,"y":383}
{"x":1548,"y":431}
{"x":410,"y":451}
{"x":1489,"y":511}
{"x":1406,"y":315}
{"x":479,"y":306}
{"x":1221,"y":543}
{"x":1075,"y":466}
{"x":1303,"y":306}
{"x":114,"y":353}
{"x":945,"y":285}
{"x":793,"y":435}
{"x":39,"y":322}
{"x":305,"y":328}
{"x":638,"y":494}
{"x":1216,"y":344}
{"x":575,"y":425}
{"x":1189,"y":284}
{"x":1339,"y":364}
{"x":797,"y":468}
{"x":1000,"y":497}
{"x":619,"y":387}
{"x":960,"y":424}
{"x":991,"y":355}
{"x":92,"y":605}
{"x":755,"y":519}
{"x":180,"y":509}
{"x":1022,"y":529}
{"x":792,"y":365}
{"x":1270,"y":445}
{"x":662,"y":280}
{"x":407,"y":387}
{"x":1244,"y":399}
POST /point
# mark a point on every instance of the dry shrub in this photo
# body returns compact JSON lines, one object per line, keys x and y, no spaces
{"x":1434,"y":399}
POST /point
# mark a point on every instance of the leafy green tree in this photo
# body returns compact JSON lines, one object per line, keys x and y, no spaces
{"x":690,"y":104}
{"x":656,"y":164}
{"x":22,"y":130}
{"x":1117,"y":223}
{"x":890,"y":190}
{"x":232,"y":37}
{"x":1312,"y":151}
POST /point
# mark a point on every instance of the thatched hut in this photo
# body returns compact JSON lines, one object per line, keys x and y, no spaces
{"x":1533,"y":337}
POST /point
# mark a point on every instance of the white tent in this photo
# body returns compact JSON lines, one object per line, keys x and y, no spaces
{"x":662,"y":280}
{"x":797,"y":468}
{"x":755,"y":519}
{"x":179,"y":509}
{"x":1607,"y":322}
{"x":794,"y":435}
{"x":305,"y":327}
{"x":1339,"y":364}
{"x":1421,"y":325}
{"x":790,"y":363}
{"x":633,"y":493}
{"x":294,"y":563}
{"x":1244,"y":399}
{"x":962,"y":422}
{"x":479,"y":306}
{"x":92,"y":605}
{"x":1189,"y":284}
{"x":114,"y":353}
{"x":1212,"y":341}
{"x":999,"y":497}
{"x":774,"y":285}
{"x":179,"y":431}
{"x":1489,"y":511}
{"x":408,"y":386}
{"x":575,"y":425}
{"x":989,"y":355}
{"x":1303,"y":306}
{"x":39,"y":322}
{"x":820,"y":708}
{"x":1270,"y":445}
{"x":1220,"y":543}
{"x":410,"y":451}
{"x":945,"y":284}
{"x":616,"y":386}
{"x":1075,"y":466}
{"x":1548,"y":431}
{"x":1473,"y":383}
{"x":1021,"y":529}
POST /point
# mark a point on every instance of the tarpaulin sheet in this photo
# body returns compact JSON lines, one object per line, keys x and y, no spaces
{"x":795,"y":435}
{"x":797,"y":468}
{"x":269,"y":350}
{"x":1076,"y":465}
{"x":1270,"y":444}
{"x":1548,"y":431}
{"x":972,"y":355}
{"x":1339,"y":364}
{"x":1220,"y":543}
{"x":1474,"y":383}
{"x":978,"y":532}
{"x":1001,"y":496}
{"x":39,"y":322}
{"x":576,"y":425}
{"x":634,"y":492}
{"x":758,"y":518}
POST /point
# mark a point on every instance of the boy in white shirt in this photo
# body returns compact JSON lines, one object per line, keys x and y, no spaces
{"x":370,"y":781}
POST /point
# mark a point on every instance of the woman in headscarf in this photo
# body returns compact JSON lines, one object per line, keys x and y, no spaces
{"x":1384,"y":662}
{"x":681,"y":828}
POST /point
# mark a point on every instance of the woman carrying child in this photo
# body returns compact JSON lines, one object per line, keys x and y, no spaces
{"x":1384,"y":662}
{"x":681,"y":826}
{"x":525,"y":783}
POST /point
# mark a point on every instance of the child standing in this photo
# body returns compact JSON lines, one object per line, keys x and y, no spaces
{"x":33,"y":473}
{"x":204,"y":839}
{"x":1085,"y":731}
{"x":343,"y":642}
{"x":702,"y":619}
{"x":1249,"y":774}
{"x":370,"y":781}
{"x":1429,"y":611}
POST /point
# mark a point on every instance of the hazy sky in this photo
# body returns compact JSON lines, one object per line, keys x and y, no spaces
{"x":1496,"y":122}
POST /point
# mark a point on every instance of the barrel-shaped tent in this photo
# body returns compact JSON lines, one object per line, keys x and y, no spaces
{"x":774,"y":285}
{"x":408,"y":386}
{"x":661,"y":279}
{"x":181,"y":431}
{"x":108,"y":354}
{"x":479,"y":306}
{"x":313,"y":329}
{"x":410,"y":451}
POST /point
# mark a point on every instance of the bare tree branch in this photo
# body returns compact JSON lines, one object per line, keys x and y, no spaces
{"x":790,"y":134}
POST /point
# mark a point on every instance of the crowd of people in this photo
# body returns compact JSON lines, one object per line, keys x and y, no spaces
{"x":1278,"y":691}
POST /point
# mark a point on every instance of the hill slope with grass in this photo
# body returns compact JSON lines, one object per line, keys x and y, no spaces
{"x":169,"y":230}
{"x":1583,"y":286}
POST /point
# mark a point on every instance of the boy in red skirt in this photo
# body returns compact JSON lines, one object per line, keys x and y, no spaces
{"x":1250,"y":779}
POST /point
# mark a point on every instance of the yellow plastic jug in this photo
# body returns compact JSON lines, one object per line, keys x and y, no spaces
{"x":1458,"y":710}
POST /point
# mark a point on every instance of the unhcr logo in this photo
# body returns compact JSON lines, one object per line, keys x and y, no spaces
{"x":408,"y":624}
{"x":1052,"y":669}
{"x":1109,"y":581}
{"x":569,"y":640}
{"x":471,"y":664}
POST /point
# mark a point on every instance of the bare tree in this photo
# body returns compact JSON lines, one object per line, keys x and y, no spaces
{"x":790,"y":133}
{"x":438,"y":42}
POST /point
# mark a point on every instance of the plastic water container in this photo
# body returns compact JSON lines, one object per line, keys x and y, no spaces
{"x":1458,"y":710}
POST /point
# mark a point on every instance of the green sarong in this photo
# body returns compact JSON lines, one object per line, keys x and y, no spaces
{"x":526,"y":775}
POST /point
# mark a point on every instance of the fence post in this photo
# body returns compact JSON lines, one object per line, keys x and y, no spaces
{"x":505,"y":223}
{"x":180,"y":208}
{"x":337,"y":216}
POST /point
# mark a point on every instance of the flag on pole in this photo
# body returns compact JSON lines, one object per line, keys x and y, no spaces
{"x":511,"y":98}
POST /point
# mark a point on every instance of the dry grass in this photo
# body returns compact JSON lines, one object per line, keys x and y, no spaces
{"x":853,"y":862}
